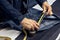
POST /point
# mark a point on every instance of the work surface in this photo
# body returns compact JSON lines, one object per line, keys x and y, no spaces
{"x":50,"y":34}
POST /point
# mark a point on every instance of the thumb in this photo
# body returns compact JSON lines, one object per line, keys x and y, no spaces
{"x":44,"y":9}
{"x":51,"y":13}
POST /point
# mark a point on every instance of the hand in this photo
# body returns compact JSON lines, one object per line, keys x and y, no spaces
{"x":29,"y":24}
{"x":47,"y":8}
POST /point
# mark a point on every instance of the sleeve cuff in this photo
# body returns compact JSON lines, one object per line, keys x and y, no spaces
{"x":18,"y":19}
{"x":31,"y":16}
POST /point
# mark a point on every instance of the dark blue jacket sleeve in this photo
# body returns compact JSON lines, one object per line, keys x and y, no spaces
{"x":9,"y":9}
{"x":40,"y":2}
{"x":31,"y":11}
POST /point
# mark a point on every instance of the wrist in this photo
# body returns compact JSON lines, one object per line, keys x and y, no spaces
{"x":23,"y":20}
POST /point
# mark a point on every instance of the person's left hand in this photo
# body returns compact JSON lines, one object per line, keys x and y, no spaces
{"x":47,"y":8}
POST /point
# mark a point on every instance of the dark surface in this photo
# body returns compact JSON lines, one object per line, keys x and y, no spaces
{"x":51,"y":33}
{"x":56,"y":7}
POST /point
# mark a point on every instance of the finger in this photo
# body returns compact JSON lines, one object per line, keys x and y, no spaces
{"x":34,"y":22}
{"x":51,"y":13}
{"x":36,"y":27}
{"x":28,"y":26}
{"x":44,"y":9}
{"x":49,"y":10}
{"x":29,"y":23}
{"x":32,"y":28}
{"x":37,"y":24}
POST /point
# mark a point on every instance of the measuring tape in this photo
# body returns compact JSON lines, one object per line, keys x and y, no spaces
{"x":39,"y":21}
{"x":25,"y":37}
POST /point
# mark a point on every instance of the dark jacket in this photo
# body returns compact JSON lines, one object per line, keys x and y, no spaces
{"x":16,"y":9}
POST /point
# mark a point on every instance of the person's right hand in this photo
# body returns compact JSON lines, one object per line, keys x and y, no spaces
{"x":29,"y":24}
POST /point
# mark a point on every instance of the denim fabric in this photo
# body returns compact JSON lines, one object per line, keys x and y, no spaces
{"x":33,"y":14}
{"x":12,"y":12}
{"x":10,"y":24}
{"x":14,"y":8}
{"x":46,"y":24}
